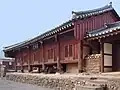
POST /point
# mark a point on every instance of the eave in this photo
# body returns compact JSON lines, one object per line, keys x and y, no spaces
{"x":106,"y":31}
{"x":41,"y":37}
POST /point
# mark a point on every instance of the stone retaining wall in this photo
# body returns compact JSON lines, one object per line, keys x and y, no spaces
{"x":44,"y":81}
{"x":64,"y":82}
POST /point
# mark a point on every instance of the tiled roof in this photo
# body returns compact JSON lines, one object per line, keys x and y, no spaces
{"x":42,"y":36}
{"x":88,"y":13}
{"x":69,"y":23}
{"x":107,"y":30}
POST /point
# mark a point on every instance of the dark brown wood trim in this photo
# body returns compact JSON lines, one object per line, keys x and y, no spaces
{"x":102,"y":56}
{"x":108,"y":54}
{"x":107,"y":66}
{"x":80,"y":57}
{"x":68,"y":61}
{"x":86,"y":45}
{"x":50,"y":63}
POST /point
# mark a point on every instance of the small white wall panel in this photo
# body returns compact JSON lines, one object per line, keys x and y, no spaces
{"x":107,"y":60}
{"x":108,"y":48}
{"x":18,"y":64}
{"x":72,"y":68}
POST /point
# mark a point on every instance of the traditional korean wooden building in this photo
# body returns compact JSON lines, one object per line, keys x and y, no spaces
{"x":9,"y":63}
{"x":88,"y":42}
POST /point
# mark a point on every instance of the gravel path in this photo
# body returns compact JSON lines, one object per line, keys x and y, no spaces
{"x":9,"y":85}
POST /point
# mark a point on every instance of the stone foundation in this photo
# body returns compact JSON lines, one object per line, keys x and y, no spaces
{"x":67,"y":82}
{"x":92,"y":63}
{"x":44,"y":81}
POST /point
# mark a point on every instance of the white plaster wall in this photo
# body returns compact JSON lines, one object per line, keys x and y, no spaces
{"x":72,"y":68}
{"x":107,"y":60}
{"x":18,"y":64}
{"x":108,"y":48}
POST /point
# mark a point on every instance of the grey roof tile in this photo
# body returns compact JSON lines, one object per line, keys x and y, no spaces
{"x":87,"y":13}
{"x":108,"y":28}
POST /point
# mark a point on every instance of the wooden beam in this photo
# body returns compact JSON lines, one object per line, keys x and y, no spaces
{"x":65,"y":31}
{"x":58,"y":54}
{"x":49,"y":37}
{"x":102,"y":56}
{"x":80,"y":57}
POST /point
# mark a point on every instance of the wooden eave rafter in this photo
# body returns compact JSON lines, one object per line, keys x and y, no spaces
{"x":111,"y":33}
{"x":42,"y":37}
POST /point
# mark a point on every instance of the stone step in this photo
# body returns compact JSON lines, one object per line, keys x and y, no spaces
{"x":78,"y":87}
{"x":97,"y":82}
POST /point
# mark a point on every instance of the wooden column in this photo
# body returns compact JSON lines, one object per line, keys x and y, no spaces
{"x":43,"y":62}
{"x":102,"y":56}
{"x":29,"y":59}
{"x":22,"y":69}
{"x":15,"y":64}
{"x":58,"y":53}
{"x":80,"y":57}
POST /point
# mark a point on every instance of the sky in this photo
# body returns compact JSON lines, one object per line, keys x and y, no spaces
{"x":24,"y":19}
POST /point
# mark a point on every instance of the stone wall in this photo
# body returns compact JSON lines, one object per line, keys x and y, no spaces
{"x":92,"y":63}
{"x":44,"y":81}
{"x":67,"y":82}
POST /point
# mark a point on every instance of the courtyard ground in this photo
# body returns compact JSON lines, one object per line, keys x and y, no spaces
{"x":9,"y":85}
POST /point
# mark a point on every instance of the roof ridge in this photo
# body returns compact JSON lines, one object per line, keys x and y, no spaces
{"x":93,"y":10}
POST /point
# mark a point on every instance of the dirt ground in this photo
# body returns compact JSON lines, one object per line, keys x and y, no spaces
{"x":9,"y":85}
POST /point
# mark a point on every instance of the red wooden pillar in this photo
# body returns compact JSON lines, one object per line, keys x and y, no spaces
{"x":42,"y":49}
{"x":29,"y":60}
{"x":15,"y":64}
{"x":22,"y":69}
{"x":58,"y":53}
{"x":102,"y":56}
{"x":80,"y":57}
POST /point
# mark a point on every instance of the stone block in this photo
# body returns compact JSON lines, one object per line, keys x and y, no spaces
{"x":88,"y":88}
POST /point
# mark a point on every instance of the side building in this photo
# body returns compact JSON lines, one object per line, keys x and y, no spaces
{"x":9,"y":63}
{"x":68,"y":47}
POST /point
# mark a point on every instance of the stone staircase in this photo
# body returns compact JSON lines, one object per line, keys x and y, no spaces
{"x":97,"y":84}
